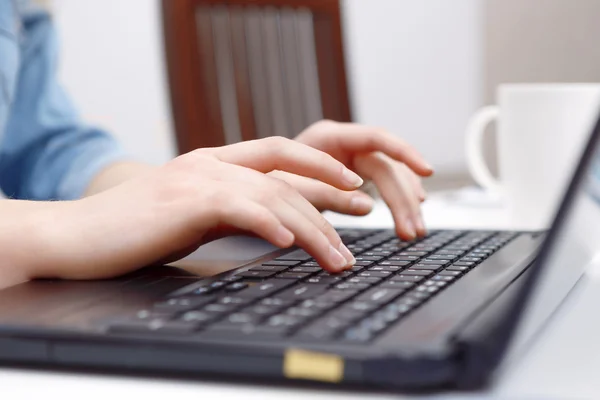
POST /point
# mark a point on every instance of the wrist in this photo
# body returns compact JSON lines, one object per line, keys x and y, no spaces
{"x":115,"y":174}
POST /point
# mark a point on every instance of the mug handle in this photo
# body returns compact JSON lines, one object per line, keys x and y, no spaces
{"x":474,"y":148}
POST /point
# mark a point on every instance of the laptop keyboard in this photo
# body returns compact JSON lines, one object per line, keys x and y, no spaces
{"x":292,"y":297}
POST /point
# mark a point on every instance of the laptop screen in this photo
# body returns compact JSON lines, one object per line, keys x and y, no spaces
{"x":573,"y":243}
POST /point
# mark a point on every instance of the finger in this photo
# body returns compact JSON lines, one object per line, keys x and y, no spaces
{"x":328,"y":251}
{"x":278,"y":153}
{"x":248,"y":215}
{"x":326,"y":197}
{"x":416,"y":182}
{"x":309,"y":227}
{"x":396,"y":190}
{"x":304,"y":207}
{"x":358,"y":138}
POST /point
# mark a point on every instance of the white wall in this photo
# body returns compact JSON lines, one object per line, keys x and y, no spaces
{"x":112,"y":64}
{"x":414,"y":68}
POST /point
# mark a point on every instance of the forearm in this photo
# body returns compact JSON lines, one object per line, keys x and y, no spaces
{"x":115,"y":174}
{"x":23,"y":237}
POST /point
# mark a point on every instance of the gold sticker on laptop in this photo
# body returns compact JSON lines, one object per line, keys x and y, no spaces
{"x":302,"y":364}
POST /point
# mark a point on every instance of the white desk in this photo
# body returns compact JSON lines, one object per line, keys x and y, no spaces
{"x":563,"y":363}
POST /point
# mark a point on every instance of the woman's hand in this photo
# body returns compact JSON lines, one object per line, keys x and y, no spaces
{"x":373,"y":153}
{"x":193,"y":199}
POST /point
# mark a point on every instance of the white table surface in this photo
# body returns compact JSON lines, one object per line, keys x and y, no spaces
{"x":564,"y":363}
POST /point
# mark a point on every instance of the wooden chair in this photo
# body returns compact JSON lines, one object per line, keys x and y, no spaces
{"x":247,"y":69}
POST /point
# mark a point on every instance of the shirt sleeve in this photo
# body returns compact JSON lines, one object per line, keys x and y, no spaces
{"x":46,"y":152}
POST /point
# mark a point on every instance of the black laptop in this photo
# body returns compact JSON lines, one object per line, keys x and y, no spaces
{"x":437,"y":313}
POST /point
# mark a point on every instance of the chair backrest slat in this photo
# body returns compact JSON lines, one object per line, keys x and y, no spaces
{"x":246,"y":69}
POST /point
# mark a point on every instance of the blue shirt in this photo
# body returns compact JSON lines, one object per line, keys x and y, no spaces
{"x":46,"y":152}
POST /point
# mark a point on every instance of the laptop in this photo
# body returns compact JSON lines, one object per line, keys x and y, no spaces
{"x":445,"y":311}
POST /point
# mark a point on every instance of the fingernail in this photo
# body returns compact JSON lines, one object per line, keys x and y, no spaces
{"x":351,"y":178}
{"x":336,"y":258}
{"x":409,"y":228}
{"x":428,"y":166}
{"x":284,"y":236}
{"x":361,"y":203}
{"x":347,"y":254}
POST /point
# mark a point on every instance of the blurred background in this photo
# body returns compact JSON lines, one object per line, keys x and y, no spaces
{"x":418,"y":68}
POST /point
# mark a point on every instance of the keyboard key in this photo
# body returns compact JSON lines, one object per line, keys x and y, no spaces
{"x":432,"y":282}
{"x":349,"y":315}
{"x":302,"y":312}
{"x":390,"y":268}
{"x":315,"y":332}
{"x":234,"y":287}
{"x":256,"y":274}
{"x":368,"y":258}
{"x":395,"y":263}
{"x":434,"y":262}
{"x":305,"y":269}
{"x":302,"y":292}
{"x":419,"y":296}
{"x":404,"y":258}
{"x":324,"y":280}
{"x":202,"y":290}
{"x":352,"y":286}
{"x":336,"y":296}
{"x":217,"y":285}
{"x":363,"y":306}
{"x":154,"y":326}
{"x":293,"y":275}
{"x":443,"y":278}
{"x":427,"y":288}
{"x":417,"y":272}
{"x":472,"y":259}
{"x":449,"y":273}
{"x":179,"y":304}
{"x":444,"y":257}
{"x":375,"y":274}
{"x":464,"y":263}
{"x":357,"y":335}
{"x":234,"y":300}
{"x":381,"y":253}
{"x":397,"y":284}
{"x":262,"y":311}
{"x":426,"y":267}
{"x":243,"y":318}
{"x":226,"y":330}
{"x":265,"y":288}
{"x":317,"y":304}
{"x":281,"y":263}
{"x":219,"y":308}
{"x":457,"y":268}
{"x":273,"y":268}
{"x":413,"y":253}
{"x":283,"y":320}
{"x":407,"y":278}
{"x":357,"y":268}
{"x":364,"y":279}
{"x":342,"y":274}
{"x":231,"y":278}
{"x":276,"y":302}
{"x":197,"y":316}
{"x":380,"y":295}
{"x":310,"y":264}
{"x":364,"y":263}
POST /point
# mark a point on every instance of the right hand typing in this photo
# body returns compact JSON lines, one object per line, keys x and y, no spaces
{"x":191,"y":200}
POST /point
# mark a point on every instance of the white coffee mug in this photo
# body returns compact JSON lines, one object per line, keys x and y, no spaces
{"x":541,"y":130}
